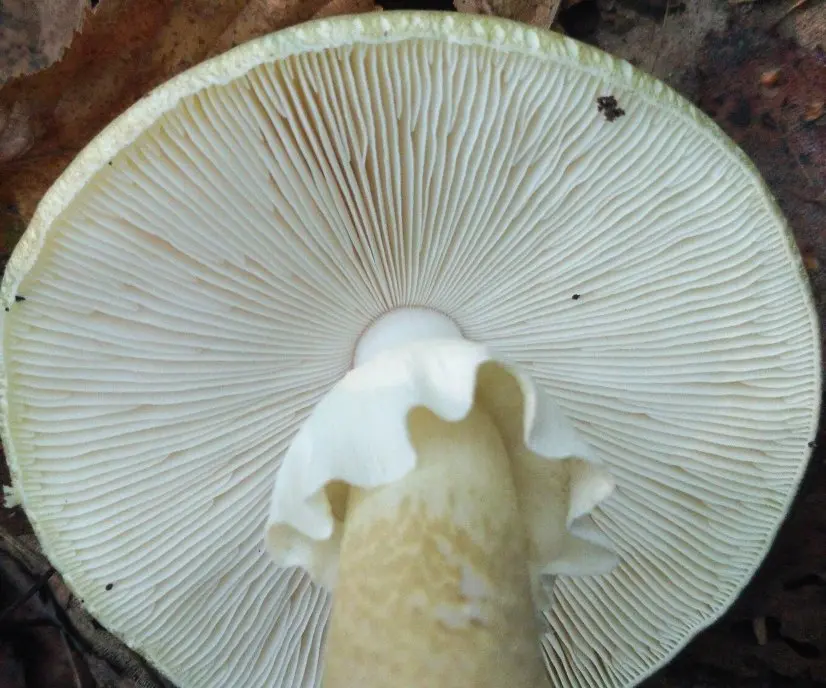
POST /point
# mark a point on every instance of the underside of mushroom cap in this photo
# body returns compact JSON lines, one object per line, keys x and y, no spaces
{"x":198,"y":280}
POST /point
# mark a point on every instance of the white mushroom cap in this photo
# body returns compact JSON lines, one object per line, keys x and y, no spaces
{"x":200,"y":276}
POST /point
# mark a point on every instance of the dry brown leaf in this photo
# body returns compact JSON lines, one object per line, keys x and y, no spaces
{"x":34,"y":33}
{"x":802,"y":21}
{"x":805,"y":22}
{"x":15,"y":131}
{"x":263,"y":16}
{"x":536,"y":12}
{"x":127,"y":47}
{"x":669,"y":47}
{"x":814,"y":111}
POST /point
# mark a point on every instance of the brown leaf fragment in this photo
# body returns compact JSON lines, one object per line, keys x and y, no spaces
{"x":539,"y":13}
{"x":810,"y":260}
{"x":813,"y":111}
{"x":260,"y":17}
{"x":34,"y":33}
{"x":16,"y":136}
{"x":771,"y":77}
{"x":798,"y":5}
{"x":802,"y":22}
{"x":335,"y":7}
{"x":761,"y":632}
{"x":669,"y":46}
{"x":810,"y":26}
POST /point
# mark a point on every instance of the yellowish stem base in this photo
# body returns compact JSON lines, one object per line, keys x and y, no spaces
{"x":433,"y":587}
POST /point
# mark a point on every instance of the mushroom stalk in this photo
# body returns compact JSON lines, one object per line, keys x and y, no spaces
{"x":437,"y":492}
{"x":433,"y":584}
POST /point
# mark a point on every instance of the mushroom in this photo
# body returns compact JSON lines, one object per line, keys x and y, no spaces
{"x":400,"y":265}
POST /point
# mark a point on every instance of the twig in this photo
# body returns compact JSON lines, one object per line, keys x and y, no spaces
{"x":797,"y":5}
{"x":30,"y":559}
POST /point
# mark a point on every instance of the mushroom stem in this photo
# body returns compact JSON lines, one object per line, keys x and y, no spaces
{"x":433,"y":586}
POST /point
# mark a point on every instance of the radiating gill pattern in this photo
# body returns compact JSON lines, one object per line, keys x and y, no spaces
{"x":192,"y":305}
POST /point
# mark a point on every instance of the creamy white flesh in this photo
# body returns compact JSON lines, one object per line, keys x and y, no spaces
{"x":416,"y":492}
{"x":433,"y":586}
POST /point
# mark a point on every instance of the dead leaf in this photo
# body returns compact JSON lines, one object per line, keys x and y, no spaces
{"x":803,"y":21}
{"x":771,"y":77}
{"x":666,"y":44}
{"x":127,"y":47}
{"x":259,"y":17}
{"x":536,"y":12}
{"x":35,"y":33}
{"x":809,"y":25}
{"x":813,"y":111}
{"x":15,"y":131}
{"x":336,"y":7}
